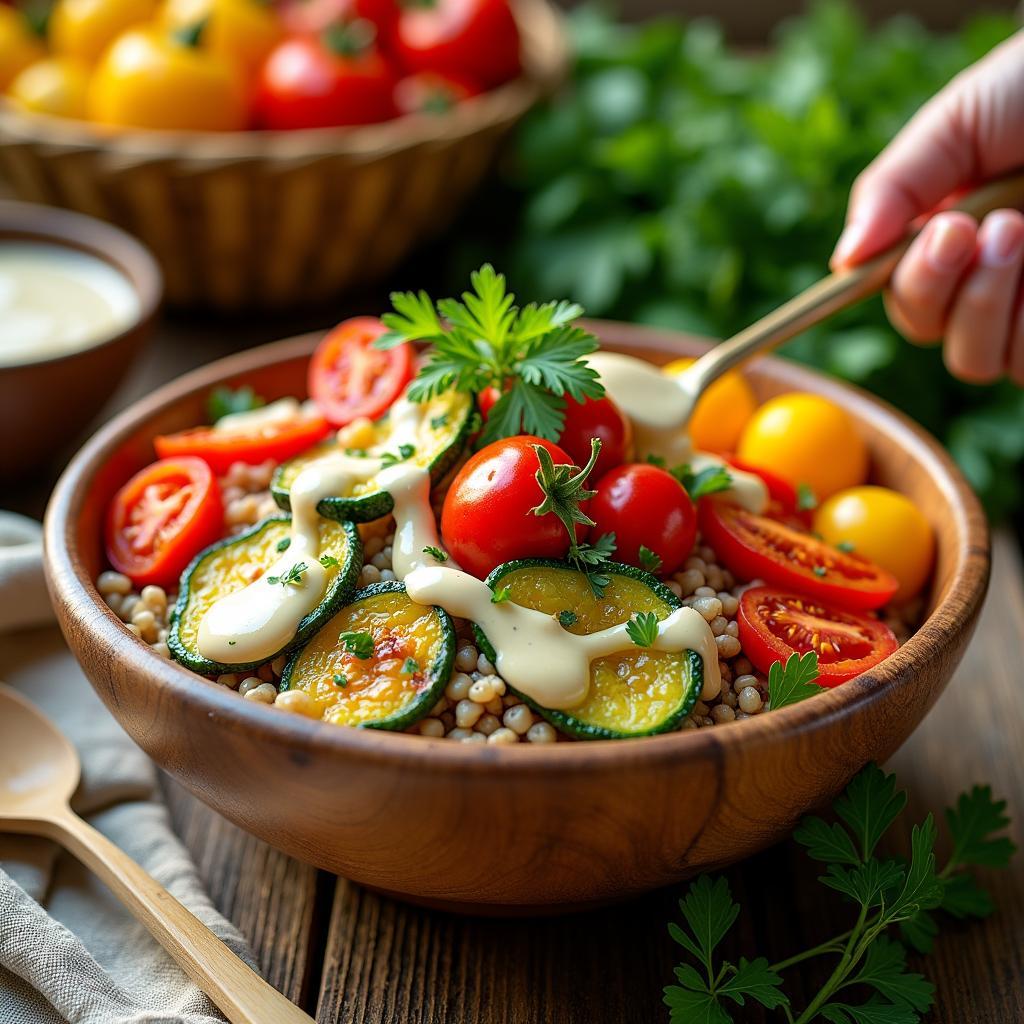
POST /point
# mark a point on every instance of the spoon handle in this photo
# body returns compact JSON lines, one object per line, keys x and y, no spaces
{"x":838,"y":290}
{"x":237,"y":990}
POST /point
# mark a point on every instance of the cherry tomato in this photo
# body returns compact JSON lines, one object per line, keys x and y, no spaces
{"x":276,"y":440}
{"x":307,"y":17}
{"x":806,"y":439}
{"x":755,"y":547}
{"x":478,"y":38}
{"x":722,"y":412}
{"x":487,"y":518}
{"x":349,"y":378}
{"x":20,"y":47}
{"x":161,"y":519}
{"x":83,"y":29}
{"x":57,"y":86}
{"x":431,"y":92}
{"x":336,"y":78}
{"x":600,"y":418}
{"x":775,"y":624}
{"x":886,"y":527}
{"x":783,"y":503}
{"x":645,"y":505}
{"x":486,"y":400}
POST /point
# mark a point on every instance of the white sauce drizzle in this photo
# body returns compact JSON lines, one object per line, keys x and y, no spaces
{"x":254,"y":421}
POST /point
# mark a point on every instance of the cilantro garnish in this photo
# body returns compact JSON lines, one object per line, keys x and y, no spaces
{"x":340,"y":679}
{"x":643,"y":629}
{"x":501,"y":595}
{"x":410,"y":667}
{"x":648,"y":559}
{"x":224,"y":401}
{"x":405,"y":452}
{"x":436,"y":553}
{"x":710,"y":480}
{"x":806,"y":500}
{"x":359,"y":644}
{"x":794,"y":682}
{"x":533,"y":354}
{"x":889,"y":893}
{"x":567,"y":618}
{"x":292,"y":578}
{"x":329,"y":561}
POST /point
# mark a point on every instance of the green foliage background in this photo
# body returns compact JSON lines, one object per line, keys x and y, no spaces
{"x":678,"y":183}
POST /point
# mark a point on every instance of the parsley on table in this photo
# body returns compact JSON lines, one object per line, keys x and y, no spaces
{"x":405,"y":452}
{"x":533,"y":354}
{"x":793,"y":682}
{"x":501,"y":595}
{"x":648,"y":559}
{"x":224,"y":401}
{"x":643,"y":629}
{"x":359,"y":644}
{"x":710,"y":480}
{"x":329,"y":561}
{"x":888,"y":893}
{"x":436,"y":553}
{"x":292,"y":578}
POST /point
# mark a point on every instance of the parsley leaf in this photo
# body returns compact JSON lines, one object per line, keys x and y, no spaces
{"x":884,"y":969}
{"x":710,"y":912}
{"x":410,"y":667}
{"x":710,"y":480}
{"x":224,"y":401}
{"x":846,"y":546}
{"x":292,"y":578}
{"x":829,"y":843}
{"x":806,"y":501}
{"x":869,"y":805}
{"x":794,"y":682}
{"x":437,"y":422}
{"x":405,"y":452}
{"x":869,"y":1013}
{"x":359,"y":644}
{"x":756,"y":979}
{"x":340,"y":679}
{"x":971,"y":824}
{"x":436,"y":553}
{"x":501,"y":595}
{"x":648,"y":559}
{"x":329,"y":561}
{"x":866,"y":884}
{"x":567,"y":618}
{"x":643,"y":629}
{"x":284,"y":544}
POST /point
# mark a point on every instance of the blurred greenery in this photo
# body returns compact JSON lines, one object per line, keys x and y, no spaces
{"x":678,"y":183}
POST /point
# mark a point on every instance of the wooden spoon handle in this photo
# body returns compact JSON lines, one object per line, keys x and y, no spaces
{"x":839,"y":290}
{"x":238,"y":991}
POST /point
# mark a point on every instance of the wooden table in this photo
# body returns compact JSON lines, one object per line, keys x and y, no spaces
{"x":349,"y":956}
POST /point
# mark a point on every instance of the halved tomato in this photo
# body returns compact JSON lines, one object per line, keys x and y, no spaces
{"x":272,"y":439}
{"x":756,"y":547}
{"x":783,"y":502}
{"x":162,"y":518}
{"x":349,"y":378}
{"x":775,"y":624}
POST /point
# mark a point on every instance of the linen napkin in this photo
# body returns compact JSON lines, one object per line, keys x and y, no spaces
{"x":83,"y":959}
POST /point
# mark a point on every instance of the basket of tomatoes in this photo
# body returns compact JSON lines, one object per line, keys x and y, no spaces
{"x":270,"y":154}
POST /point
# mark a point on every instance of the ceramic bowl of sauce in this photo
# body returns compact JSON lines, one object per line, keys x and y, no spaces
{"x":77,"y":299}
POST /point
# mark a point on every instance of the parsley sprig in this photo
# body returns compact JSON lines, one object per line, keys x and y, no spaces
{"x":643,"y":629}
{"x":794,"y":681}
{"x":889,"y":894}
{"x":292,"y":578}
{"x":533,"y":354}
{"x":359,"y":644}
{"x":710,"y":480}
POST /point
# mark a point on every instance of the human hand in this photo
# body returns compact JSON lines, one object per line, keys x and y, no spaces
{"x":959,"y":280}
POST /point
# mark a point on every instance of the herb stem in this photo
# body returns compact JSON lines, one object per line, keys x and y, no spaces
{"x":841,"y":972}
{"x":833,"y":945}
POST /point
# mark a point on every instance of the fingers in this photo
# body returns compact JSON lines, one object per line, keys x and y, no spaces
{"x":926,"y":281}
{"x":978,"y":333}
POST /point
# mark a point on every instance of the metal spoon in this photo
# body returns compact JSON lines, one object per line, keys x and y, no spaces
{"x":660,"y":406}
{"x":39,"y":771}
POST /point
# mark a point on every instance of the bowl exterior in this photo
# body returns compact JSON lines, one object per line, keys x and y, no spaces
{"x":500,"y":830}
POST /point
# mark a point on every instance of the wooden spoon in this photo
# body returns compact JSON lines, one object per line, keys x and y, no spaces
{"x":39,"y":771}
{"x":660,"y":407}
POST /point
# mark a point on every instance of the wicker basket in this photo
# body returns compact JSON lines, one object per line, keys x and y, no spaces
{"x":276,"y":219}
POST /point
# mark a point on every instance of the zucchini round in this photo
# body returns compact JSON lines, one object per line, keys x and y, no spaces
{"x":398,"y":684}
{"x":634,"y":692}
{"x":441,"y":439}
{"x":231,"y":564}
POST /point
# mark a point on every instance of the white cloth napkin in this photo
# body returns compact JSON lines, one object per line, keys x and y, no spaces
{"x":83,"y":959}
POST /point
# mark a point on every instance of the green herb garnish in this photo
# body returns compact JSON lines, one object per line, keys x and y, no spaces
{"x":794,"y":682}
{"x":643,"y":629}
{"x":648,"y":559}
{"x":405,"y":452}
{"x":533,"y":355}
{"x":359,"y":644}
{"x":806,"y":501}
{"x":225,"y":401}
{"x":284,"y":544}
{"x":846,"y":546}
{"x":292,"y":578}
{"x":710,"y":480}
{"x":567,"y":618}
{"x":501,"y":595}
{"x":329,"y":561}
{"x":437,"y":422}
{"x":340,"y":679}
{"x":436,"y":553}
{"x":410,"y":667}
{"x":820,"y":571}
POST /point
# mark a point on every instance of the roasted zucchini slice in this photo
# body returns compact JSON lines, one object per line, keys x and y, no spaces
{"x":401,"y":678}
{"x":231,"y":564}
{"x":635,"y":692}
{"x":441,"y":439}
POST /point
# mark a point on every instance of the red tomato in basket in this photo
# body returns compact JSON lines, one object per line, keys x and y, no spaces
{"x":775,"y":624}
{"x":432,"y":92}
{"x":338,"y":77}
{"x":161,"y":519}
{"x":349,"y":378}
{"x":478,"y":38}
{"x":488,"y":519}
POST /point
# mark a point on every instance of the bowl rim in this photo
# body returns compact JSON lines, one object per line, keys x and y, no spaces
{"x":545,"y":52}
{"x":53,"y":225}
{"x":71,"y":586}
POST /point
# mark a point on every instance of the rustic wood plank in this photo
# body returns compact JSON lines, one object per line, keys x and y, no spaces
{"x":387,"y":963}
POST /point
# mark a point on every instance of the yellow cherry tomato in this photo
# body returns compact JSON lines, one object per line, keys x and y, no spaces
{"x":56,"y":86}
{"x":242,"y":30}
{"x":722,"y":412}
{"x":884,"y":526}
{"x":153,"y":79}
{"x":19,"y":45}
{"x":83,"y":29}
{"x":807,"y":440}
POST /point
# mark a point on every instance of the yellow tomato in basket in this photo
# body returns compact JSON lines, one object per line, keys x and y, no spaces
{"x":19,"y":45}
{"x":886,"y":528}
{"x":56,"y":86}
{"x":722,"y":412}
{"x":241,"y":30}
{"x":83,"y":29}
{"x":808,"y":441}
{"x":150,"y":78}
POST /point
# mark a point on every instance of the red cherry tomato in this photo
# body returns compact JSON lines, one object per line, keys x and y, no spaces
{"x":161,"y":519}
{"x":775,"y":624}
{"x":487,"y":516}
{"x":478,"y":38}
{"x":307,"y":17}
{"x":349,"y":378}
{"x":431,"y":92}
{"x":753,"y":547}
{"x":275,"y":441}
{"x":336,"y":78}
{"x":486,"y":400}
{"x":783,"y":503}
{"x":600,"y":418}
{"x":645,"y":505}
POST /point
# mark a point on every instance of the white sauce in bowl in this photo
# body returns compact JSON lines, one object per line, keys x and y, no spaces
{"x":55,"y":300}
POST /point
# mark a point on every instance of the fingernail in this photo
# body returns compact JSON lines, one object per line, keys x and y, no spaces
{"x":1002,"y":238}
{"x":949,"y":244}
{"x":849,"y":241}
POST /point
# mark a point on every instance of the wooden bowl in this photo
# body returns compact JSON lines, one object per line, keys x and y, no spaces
{"x":499,"y":829}
{"x":45,"y":404}
{"x":277,"y":219}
